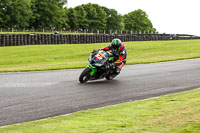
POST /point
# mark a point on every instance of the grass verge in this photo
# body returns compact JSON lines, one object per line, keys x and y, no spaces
{"x":52,"y":57}
{"x":174,"y":113}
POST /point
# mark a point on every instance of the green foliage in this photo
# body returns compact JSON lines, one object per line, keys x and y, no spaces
{"x":96,"y":16}
{"x":48,"y":13}
{"x":114,"y":20}
{"x":20,"y":13}
{"x":54,"y":14}
{"x":92,"y":17}
{"x":72,"y":19}
{"x":4,"y":4}
{"x":15,"y":13}
{"x":137,"y":21}
{"x":83,"y":22}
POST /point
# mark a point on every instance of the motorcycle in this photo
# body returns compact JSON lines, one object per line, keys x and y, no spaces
{"x":99,"y":66}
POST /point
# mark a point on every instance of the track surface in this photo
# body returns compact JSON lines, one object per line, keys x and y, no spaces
{"x":35,"y":95}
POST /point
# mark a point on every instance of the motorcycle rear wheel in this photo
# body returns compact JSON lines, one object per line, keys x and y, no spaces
{"x":108,"y":77}
{"x":85,"y":75}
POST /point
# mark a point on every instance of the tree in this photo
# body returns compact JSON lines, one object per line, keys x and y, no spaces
{"x":54,"y":14}
{"x":114,"y":20}
{"x":4,"y":4}
{"x":96,"y":16}
{"x":20,"y":13}
{"x":1,"y":19}
{"x":72,"y":19}
{"x":137,"y":21}
{"x":82,"y":22}
{"x":48,"y":13}
{"x":15,"y":13}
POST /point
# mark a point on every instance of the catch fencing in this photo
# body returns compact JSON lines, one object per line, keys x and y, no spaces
{"x":37,"y":39}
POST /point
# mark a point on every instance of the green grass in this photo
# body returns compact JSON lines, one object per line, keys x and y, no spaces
{"x":51,"y":57}
{"x":174,"y":113}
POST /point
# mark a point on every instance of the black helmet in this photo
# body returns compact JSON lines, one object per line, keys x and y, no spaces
{"x":116,"y":43}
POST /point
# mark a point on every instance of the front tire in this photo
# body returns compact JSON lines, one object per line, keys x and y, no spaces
{"x":85,"y":75}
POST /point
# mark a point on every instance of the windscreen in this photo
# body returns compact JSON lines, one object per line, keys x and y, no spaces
{"x":99,"y":58}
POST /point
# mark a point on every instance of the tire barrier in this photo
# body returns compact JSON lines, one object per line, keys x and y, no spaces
{"x":37,"y":39}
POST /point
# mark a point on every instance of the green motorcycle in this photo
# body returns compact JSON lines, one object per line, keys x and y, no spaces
{"x":99,"y":66}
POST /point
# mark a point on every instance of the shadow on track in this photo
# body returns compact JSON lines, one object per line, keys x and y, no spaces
{"x":102,"y":82}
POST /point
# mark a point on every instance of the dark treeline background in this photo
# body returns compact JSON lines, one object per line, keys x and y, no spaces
{"x":54,"y":14}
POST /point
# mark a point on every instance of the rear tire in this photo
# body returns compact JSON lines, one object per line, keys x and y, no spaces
{"x":109,"y":77}
{"x":85,"y":75}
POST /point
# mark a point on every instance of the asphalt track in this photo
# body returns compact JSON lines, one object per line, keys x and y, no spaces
{"x":31,"y":96}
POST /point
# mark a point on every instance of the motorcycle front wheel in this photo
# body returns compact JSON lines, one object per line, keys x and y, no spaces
{"x":85,"y":75}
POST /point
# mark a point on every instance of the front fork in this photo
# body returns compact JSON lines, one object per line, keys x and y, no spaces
{"x":93,"y":68}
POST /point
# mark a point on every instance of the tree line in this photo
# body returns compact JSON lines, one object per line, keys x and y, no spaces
{"x":55,"y":14}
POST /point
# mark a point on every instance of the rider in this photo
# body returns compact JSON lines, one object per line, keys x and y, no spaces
{"x":119,"y":51}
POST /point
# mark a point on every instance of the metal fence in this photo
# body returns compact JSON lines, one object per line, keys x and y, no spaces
{"x":37,"y":39}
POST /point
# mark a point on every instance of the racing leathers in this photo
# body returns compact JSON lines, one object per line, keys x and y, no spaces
{"x":120,"y":57}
